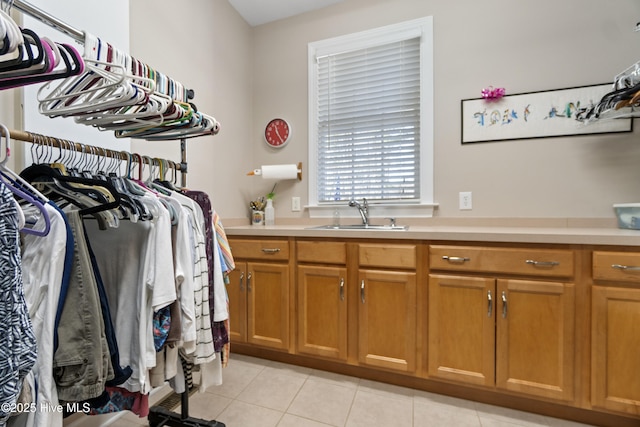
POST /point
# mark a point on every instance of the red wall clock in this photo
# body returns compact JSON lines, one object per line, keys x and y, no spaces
{"x":277,"y":133}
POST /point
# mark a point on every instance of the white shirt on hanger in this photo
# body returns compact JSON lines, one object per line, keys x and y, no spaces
{"x":42,"y":271}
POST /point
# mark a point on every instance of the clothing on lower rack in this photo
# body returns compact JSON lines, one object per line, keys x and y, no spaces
{"x":46,"y":273}
{"x":94,"y":289}
{"x":81,"y":366}
{"x":18,"y":348}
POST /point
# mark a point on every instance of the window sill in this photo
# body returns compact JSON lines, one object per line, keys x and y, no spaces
{"x":421,"y":210}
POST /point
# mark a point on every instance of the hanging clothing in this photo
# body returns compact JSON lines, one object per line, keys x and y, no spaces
{"x":201,"y":350}
{"x":217,"y":291}
{"x":18,"y":348}
{"x":137,"y":271}
{"x":46,"y":273}
{"x":228,"y":265}
{"x":81,"y":366}
{"x":95,"y":284}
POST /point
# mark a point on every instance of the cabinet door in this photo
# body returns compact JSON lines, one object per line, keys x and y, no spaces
{"x":236,"y":290}
{"x":535,"y":338}
{"x":387,"y":319}
{"x":462,"y":329}
{"x":268,"y":304}
{"x":615,"y":377}
{"x":322,"y":311}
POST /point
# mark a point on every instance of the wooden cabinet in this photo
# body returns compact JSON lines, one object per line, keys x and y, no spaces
{"x":387,"y":306}
{"x":546,"y":328}
{"x":535,"y":346}
{"x":461,"y":344}
{"x":615,"y":333}
{"x":237,"y":293}
{"x":382,"y":298}
{"x":259,"y":293}
{"x":322,"y":299}
{"x":515,"y":334}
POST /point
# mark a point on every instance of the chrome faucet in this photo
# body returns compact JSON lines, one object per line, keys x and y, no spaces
{"x":362,"y":208}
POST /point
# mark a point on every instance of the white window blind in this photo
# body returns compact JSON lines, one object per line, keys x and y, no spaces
{"x":368,"y":123}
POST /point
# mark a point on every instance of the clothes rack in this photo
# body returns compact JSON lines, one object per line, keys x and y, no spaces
{"x":49,"y":20}
{"x":64,"y":144}
{"x":158,"y":416}
{"x":79,"y":36}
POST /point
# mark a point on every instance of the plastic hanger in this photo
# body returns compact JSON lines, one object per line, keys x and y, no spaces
{"x":54,"y":179}
{"x":91,"y":84}
{"x":13,"y":186}
{"x":11,"y":35}
{"x":70,"y":64}
{"x":23,"y":189}
{"x":35,"y":54}
{"x":106,"y":86}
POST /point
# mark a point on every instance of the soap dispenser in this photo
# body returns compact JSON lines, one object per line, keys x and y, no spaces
{"x":269,"y":213}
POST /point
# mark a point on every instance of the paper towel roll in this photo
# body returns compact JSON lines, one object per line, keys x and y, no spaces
{"x":280,"y":171}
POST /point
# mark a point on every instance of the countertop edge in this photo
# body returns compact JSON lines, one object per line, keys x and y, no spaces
{"x":548,"y":235}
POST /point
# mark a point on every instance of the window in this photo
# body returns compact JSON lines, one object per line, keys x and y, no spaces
{"x":371,"y":119}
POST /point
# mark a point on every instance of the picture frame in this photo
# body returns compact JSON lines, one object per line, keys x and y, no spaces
{"x":543,"y":114}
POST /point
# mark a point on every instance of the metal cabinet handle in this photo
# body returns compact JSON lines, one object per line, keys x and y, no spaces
{"x":625,"y":267}
{"x":249,"y":282}
{"x":342,"y":289}
{"x":489,"y":304}
{"x":362,"y":291}
{"x":241,"y":281}
{"x":504,"y":304}
{"x":270,"y":250}
{"x":459,"y":259}
{"x":542,"y":263}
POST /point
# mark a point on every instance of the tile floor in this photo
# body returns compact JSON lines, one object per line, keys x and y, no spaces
{"x":261,"y":393}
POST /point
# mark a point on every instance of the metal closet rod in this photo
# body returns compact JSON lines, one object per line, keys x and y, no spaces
{"x":51,"y":141}
{"x":47,"y":18}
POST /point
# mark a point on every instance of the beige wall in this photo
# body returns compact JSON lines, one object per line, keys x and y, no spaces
{"x":207,"y":46}
{"x":245,"y":76}
{"x":522,"y":46}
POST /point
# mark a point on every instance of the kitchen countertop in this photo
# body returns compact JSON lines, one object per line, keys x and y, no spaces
{"x":459,"y":232}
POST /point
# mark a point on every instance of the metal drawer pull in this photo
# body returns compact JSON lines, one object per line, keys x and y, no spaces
{"x":489,"y":304}
{"x":241,"y":282}
{"x":249,"y":282}
{"x":270,"y":250}
{"x":542,"y":263}
{"x":362,"y":291}
{"x":455,"y":258}
{"x":342,"y":289}
{"x":504,"y":305}
{"x":625,"y":267}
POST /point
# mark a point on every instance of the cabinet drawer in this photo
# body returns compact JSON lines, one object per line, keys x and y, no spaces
{"x":619,"y":266}
{"x":379,"y":255}
{"x":530,"y":262}
{"x":322,"y":252}
{"x":260,"y":249}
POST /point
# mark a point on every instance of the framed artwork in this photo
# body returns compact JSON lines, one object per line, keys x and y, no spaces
{"x":536,"y":115}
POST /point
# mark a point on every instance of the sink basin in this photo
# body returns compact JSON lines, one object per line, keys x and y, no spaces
{"x":361,"y":227}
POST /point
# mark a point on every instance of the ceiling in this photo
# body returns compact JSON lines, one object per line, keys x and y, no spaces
{"x":258,"y":12}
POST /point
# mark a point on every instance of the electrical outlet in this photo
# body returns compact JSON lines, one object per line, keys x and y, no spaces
{"x":466,"y":201}
{"x":295,"y":204}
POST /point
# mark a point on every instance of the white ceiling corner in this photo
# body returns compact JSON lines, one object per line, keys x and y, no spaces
{"x":258,"y":12}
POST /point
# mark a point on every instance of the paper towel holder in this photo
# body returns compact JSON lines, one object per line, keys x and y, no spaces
{"x":295,"y":174}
